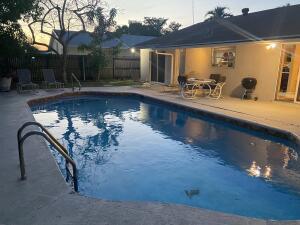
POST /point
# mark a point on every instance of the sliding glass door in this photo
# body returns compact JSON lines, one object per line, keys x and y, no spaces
{"x":154,"y":67}
{"x":288,"y":83}
{"x":161,"y":63}
{"x":161,"y":67}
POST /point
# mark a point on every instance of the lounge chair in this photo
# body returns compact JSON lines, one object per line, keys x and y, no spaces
{"x":49,"y":79}
{"x":24,"y":76}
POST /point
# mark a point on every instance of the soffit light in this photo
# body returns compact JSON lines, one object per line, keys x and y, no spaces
{"x":271,"y":46}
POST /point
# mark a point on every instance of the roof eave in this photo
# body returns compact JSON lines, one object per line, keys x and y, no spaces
{"x":208,"y":44}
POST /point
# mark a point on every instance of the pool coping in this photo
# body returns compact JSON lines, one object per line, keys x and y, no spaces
{"x":209,"y":216}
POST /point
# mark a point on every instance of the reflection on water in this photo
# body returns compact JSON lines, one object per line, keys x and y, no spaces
{"x":256,"y":171}
{"x":126,"y":149}
{"x":192,"y":193}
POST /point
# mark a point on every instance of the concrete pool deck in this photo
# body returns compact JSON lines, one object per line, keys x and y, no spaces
{"x":45,"y":198}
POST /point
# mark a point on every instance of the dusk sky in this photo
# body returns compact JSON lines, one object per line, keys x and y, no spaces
{"x":181,"y":10}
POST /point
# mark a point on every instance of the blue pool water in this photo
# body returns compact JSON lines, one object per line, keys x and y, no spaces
{"x":140,"y":150}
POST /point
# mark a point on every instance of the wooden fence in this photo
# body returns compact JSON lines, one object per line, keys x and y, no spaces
{"x":117,"y":68}
{"x":126,"y":68}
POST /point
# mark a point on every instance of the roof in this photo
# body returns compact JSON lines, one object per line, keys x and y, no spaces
{"x":274,"y":24}
{"x":126,"y":40}
{"x":82,"y":38}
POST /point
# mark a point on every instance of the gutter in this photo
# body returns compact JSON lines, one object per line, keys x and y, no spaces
{"x":209,"y":44}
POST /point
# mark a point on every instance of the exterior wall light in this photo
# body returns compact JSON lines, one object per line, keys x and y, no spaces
{"x":132,"y":50}
{"x":271,"y":46}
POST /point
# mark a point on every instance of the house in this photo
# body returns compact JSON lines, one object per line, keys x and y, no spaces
{"x":125,"y":43}
{"x":264,"y":45}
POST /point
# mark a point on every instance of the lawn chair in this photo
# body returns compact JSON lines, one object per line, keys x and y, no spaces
{"x":217,"y":88}
{"x":49,"y":79}
{"x":24,"y":76}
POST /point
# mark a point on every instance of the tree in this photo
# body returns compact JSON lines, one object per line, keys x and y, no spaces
{"x":121,"y":30}
{"x":64,"y":15}
{"x":137,"y":28}
{"x":173,"y":26}
{"x":13,"y":41}
{"x":134,"y":28}
{"x":218,"y":13}
{"x":155,"y":25}
{"x":104,"y":22}
{"x":151,"y":26}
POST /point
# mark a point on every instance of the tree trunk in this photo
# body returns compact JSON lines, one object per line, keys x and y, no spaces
{"x":65,"y":64}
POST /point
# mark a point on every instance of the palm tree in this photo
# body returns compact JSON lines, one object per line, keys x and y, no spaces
{"x":217,"y":13}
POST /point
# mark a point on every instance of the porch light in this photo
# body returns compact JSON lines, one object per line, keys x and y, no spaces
{"x":132,"y":50}
{"x":271,"y":46}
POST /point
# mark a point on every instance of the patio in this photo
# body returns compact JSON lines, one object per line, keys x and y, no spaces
{"x":46,"y":199}
{"x":275,"y":114}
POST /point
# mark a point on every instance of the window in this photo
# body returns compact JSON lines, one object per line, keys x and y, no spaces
{"x":223,"y":57}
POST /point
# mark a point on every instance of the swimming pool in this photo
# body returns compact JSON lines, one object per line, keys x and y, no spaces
{"x":133,"y":149}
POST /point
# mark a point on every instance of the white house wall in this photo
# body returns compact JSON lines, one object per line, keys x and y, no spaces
{"x":252,"y":60}
{"x":145,"y":64}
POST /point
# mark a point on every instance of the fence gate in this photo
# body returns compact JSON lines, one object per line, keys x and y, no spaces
{"x":126,"y":68}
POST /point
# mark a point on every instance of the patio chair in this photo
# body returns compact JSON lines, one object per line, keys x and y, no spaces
{"x":210,"y":88}
{"x":187,"y":91}
{"x":49,"y":79}
{"x":218,"y":88}
{"x":24,"y":77}
{"x":216,"y":77}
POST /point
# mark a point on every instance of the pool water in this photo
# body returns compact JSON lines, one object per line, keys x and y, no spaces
{"x":129,"y":148}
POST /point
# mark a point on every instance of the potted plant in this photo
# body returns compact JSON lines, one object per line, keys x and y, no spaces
{"x":5,"y":81}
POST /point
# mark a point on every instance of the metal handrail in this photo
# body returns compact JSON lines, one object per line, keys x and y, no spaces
{"x":53,"y":142}
{"x":73,"y":76}
{"x":31,"y":123}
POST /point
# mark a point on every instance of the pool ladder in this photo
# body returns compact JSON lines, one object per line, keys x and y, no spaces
{"x":57,"y":146}
{"x":73,"y":77}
